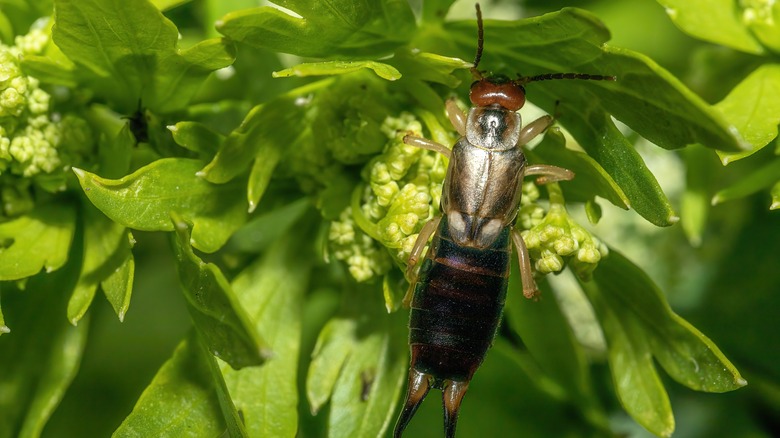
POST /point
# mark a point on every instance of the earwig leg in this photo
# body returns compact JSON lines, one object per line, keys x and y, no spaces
{"x":424,"y":143}
{"x":530,"y":290}
{"x":414,"y":255}
{"x":452,"y":396}
{"x":551,"y":173}
{"x":419,"y":385}
{"x":457,"y":117}
{"x":533,"y":129}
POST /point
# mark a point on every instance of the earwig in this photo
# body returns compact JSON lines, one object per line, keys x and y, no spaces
{"x":457,"y":297}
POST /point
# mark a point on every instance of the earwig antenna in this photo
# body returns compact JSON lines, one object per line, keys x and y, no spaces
{"x":550,"y":76}
{"x":480,"y":43}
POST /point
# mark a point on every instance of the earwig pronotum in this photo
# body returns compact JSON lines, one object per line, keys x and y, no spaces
{"x":457,"y":297}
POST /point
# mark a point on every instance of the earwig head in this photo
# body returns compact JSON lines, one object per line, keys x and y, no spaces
{"x":497,"y":90}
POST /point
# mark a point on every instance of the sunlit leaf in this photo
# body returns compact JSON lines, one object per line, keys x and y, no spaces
{"x":145,"y":199}
{"x":38,"y":240}
{"x":759,"y":179}
{"x":329,"y":68}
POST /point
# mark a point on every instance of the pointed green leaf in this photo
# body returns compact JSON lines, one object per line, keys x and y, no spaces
{"x":134,"y":50}
{"x":753,"y":107}
{"x":271,"y":290}
{"x":757,"y":180}
{"x":181,"y":400}
{"x":42,"y":355}
{"x":38,"y":240}
{"x":118,"y":286}
{"x":430,"y":67}
{"x":775,"y":196}
{"x":235,"y":424}
{"x":716,"y":21}
{"x":638,"y":324}
{"x":106,"y":251}
{"x":3,"y":328}
{"x":329,"y":68}
{"x":144,"y":200}
{"x":197,"y":138}
{"x":267,"y":130}
{"x":218,"y":316}
{"x":324,"y":29}
{"x":700,"y":175}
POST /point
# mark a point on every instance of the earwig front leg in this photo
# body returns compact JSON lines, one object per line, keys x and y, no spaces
{"x":550,"y":173}
{"x":457,"y":117}
{"x":424,"y":143}
{"x":530,"y":290}
{"x":414,"y":255}
{"x":533,"y":129}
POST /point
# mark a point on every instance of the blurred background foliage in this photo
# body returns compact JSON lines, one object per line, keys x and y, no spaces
{"x":720,"y":273}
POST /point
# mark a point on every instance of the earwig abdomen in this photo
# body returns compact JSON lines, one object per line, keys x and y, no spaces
{"x":456,"y":309}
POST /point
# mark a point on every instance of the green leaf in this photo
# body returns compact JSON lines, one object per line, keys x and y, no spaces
{"x":3,"y":328}
{"x":164,"y":5}
{"x":753,"y":107}
{"x":645,"y":96}
{"x":271,"y":290}
{"x":181,"y":400}
{"x":258,"y":234}
{"x":695,"y":203}
{"x":337,"y":28}
{"x":775,"y":196}
{"x":134,"y":50}
{"x":42,"y":356}
{"x":716,"y":21}
{"x":218,"y":316}
{"x":360,"y":362}
{"x":762,"y":20}
{"x":106,"y":254}
{"x":329,"y":68}
{"x":757,"y":180}
{"x":639,"y":324}
{"x":590,"y":178}
{"x":608,"y":147}
{"x":118,"y":286}
{"x":549,"y":338}
{"x":235,"y":424}
{"x":49,"y":71}
{"x":145,"y":199}
{"x":429,"y":67}
{"x":38,"y":240}
{"x":197,"y":138}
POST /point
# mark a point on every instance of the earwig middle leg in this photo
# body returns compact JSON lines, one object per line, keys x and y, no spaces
{"x":534,"y":128}
{"x":549,"y":173}
{"x":424,"y":143}
{"x":414,"y":255}
{"x":457,"y":117}
{"x":530,"y":290}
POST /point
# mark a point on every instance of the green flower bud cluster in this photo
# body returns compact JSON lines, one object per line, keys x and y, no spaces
{"x":403,"y":186}
{"x":34,"y":141}
{"x":364,"y":257}
{"x":556,"y":236}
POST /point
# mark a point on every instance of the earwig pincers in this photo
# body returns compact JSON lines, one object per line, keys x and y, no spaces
{"x":457,"y":296}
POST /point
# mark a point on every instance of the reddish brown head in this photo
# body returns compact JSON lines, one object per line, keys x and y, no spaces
{"x":498,"y":90}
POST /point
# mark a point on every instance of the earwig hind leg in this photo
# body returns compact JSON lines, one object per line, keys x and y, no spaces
{"x":414,"y":255}
{"x":424,"y":143}
{"x":530,"y":290}
{"x":549,"y":173}
{"x":457,"y":117}
{"x":533,"y":129}
{"x":419,"y":385}
{"x":452,"y":396}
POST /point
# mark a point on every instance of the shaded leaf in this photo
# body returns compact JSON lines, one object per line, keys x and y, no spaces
{"x":271,"y":290}
{"x":38,"y":240}
{"x":329,"y":68}
{"x":337,"y":28}
{"x":235,"y":424}
{"x":144,"y":200}
{"x":429,"y":67}
{"x":49,"y":71}
{"x":218,"y":316}
{"x":135,"y":45}
{"x":197,"y":138}
{"x":753,"y":107}
{"x":695,"y":203}
{"x":775,"y":196}
{"x":181,"y":400}
{"x":334,"y":345}
{"x":106,"y":253}
{"x":757,"y":180}
{"x":42,"y":355}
